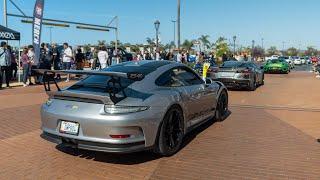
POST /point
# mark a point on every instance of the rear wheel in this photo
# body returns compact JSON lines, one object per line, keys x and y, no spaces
{"x":253,"y":85}
{"x":171,"y":132}
{"x":222,"y":107}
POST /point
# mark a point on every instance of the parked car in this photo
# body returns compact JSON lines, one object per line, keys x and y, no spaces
{"x":314,"y":59}
{"x":303,"y":60}
{"x":289,"y":60}
{"x":198,"y":67}
{"x":240,"y":74}
{"x":276,"y":66}
{"x":297,"y":61}
{"x":132,"y":106}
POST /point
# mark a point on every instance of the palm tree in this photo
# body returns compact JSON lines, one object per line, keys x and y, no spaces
{"x":101,"y":42}
{"x":187,"y":45}
{"x":204,"y":39}
{"x":151,"y":43}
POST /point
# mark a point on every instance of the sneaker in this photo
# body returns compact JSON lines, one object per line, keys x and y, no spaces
{"x":67,"y":80}
{"x":25,"y":85}
{"x":318,"y":76}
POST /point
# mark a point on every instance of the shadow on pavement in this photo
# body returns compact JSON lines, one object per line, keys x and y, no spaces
{"x":132,"y":158}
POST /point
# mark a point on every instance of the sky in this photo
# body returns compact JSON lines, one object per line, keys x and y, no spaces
{"x":294,"y":22}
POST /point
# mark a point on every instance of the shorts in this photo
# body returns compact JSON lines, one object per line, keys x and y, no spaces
{"x":66,"y":65}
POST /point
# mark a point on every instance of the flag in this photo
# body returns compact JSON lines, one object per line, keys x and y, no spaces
{"x":36,"y":28}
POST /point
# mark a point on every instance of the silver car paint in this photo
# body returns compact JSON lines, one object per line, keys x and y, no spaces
{"x":96,"y":125}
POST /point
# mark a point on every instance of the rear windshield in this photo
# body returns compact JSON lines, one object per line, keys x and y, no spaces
{"x":104,"y":84}
{"x":277,"y":61}
{"x":232,"y":64}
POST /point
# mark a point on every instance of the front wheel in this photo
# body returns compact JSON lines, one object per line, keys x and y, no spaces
{"x":222,"y":107}
{"x":171,"y":132}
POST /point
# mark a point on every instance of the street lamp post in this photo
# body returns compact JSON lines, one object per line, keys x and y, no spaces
{"x":5,"y":18}
{"x":157,"y":25}
{"x":50,"y":33}
{"x":178,"y":21}
{"x":174,"y":31}
{"x":252,"y":48}
{"x":234,"y":45}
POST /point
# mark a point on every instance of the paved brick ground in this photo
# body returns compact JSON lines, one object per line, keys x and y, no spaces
{"x":271,"y":134}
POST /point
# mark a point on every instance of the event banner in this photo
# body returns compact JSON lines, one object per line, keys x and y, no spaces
{"x":36,"y":28}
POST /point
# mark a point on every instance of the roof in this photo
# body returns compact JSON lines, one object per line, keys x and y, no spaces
{"x":8,"y":34}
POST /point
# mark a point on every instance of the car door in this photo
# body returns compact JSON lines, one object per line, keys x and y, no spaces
{"x":198,"y":97}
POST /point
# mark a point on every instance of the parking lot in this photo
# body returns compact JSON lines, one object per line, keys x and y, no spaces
{"x":271,"y":134}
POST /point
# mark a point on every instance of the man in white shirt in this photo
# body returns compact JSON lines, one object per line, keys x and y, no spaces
{"x":103,"y":57}
{"x":66,"y":58}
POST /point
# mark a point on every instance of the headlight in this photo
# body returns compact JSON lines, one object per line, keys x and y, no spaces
{"x":114,"y":109}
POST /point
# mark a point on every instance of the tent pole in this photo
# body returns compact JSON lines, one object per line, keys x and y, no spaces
{"x":19,"y":64}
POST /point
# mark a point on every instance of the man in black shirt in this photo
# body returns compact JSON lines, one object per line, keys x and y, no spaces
{"x":56,"y":59}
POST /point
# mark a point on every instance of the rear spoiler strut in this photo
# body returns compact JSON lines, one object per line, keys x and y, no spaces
{"x":49,"y":76}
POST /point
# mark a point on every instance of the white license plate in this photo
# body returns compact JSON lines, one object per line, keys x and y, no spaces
{"x":69,"y":127}
{"x":227,"y":74}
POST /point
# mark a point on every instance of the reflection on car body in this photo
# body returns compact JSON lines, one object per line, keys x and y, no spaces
{"x":117,"y":112}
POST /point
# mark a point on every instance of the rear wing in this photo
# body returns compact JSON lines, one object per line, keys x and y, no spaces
{"x":49,"y":76}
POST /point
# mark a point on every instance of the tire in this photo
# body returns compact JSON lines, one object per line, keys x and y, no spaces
{"x":171,"y":133}
{"x":253,"y":85}
{"x":222,"y":106}
{"x":262,"y":83}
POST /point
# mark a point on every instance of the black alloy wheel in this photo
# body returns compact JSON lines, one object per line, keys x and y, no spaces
{"x":171,"y":132}
{"x":222,"y":107}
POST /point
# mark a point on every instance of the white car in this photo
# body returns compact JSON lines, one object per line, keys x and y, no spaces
{"x":297,"y":61}
{"x":289,"y":60}
{"x":303,"y":60}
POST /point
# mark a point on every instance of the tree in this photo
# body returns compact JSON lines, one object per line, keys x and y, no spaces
{"x":272,"y":51}
{"x":187,"y":45}
{"x":205,"y":43}
{"x":86,"y":48}
{"x":292,"y":51}
{"x":101,"y":42}
{"x":221,"y":47}
{"x":311,"y":51}
{"x":258,"y":51}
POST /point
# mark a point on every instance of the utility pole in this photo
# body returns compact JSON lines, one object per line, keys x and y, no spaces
{"x":50,"y":33}
{"x":178,"y":19}
{"x":174,"y":31}
{"x":5,"y":18}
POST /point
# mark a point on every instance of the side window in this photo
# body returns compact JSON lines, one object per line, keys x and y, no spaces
{"x":186,"y":77}
{"x":178,"y":77}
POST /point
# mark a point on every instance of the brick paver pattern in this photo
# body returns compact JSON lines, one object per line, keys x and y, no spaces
{"x":258,"y":140}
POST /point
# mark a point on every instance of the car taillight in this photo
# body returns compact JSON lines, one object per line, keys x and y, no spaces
{"x":122,"y":136}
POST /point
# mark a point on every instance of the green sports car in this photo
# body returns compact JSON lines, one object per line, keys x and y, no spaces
{"x":276,"y":66}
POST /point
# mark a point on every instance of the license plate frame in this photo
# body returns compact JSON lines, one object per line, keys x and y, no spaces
{"x":69,"y":127}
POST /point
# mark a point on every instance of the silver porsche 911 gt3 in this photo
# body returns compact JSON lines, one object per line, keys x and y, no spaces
{"x":130,"y":107}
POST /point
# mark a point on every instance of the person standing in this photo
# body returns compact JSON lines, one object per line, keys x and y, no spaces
{"x":14,"y":64}
{"x":79,"y":59}
{"x":26,"y":65}
{"x":179,"y":57}
{"x":103,"y":57}
{"x":56,"y":59}
{"x":66,"y":59}
{"x":5,"y":62}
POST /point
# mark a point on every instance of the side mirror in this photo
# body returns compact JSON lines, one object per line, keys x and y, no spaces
{"x":209,"y":81}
